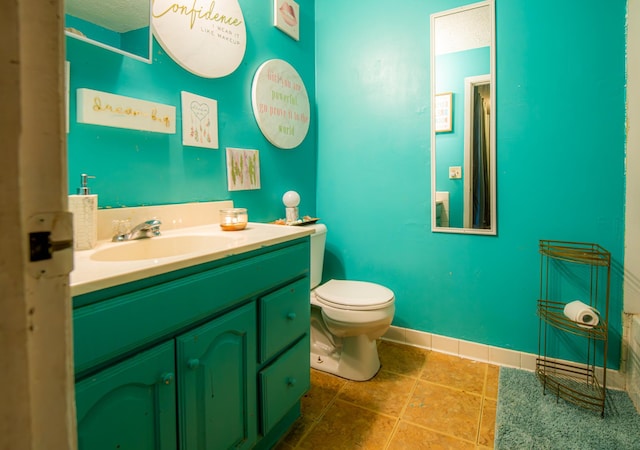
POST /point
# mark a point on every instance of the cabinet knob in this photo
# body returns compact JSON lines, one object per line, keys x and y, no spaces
{"x":291,"y":316}
{"x":291,"y":381}
{"x":193,"y":363}
{"x":167,"y":378}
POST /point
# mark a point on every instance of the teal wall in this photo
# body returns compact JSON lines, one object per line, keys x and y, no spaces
{"x":134,"y":168}
{"x":560,"y":160}
{"x":560,"y":151}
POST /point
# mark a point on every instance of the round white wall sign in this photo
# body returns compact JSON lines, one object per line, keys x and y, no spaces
{"x":206,"y":37}
{"x":280,"y":104}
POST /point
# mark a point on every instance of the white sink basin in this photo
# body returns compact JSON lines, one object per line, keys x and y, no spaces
{"x":161,"y":247}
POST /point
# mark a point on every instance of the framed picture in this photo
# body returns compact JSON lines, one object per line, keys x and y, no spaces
{"x":243,"y":169}
{"x":286,"y":17}
{"x":206,"y":37}
{"x":443,"y":106}
{"x":199,"y":121}
{"x":119,"y":111}
{"x":280,"y":104}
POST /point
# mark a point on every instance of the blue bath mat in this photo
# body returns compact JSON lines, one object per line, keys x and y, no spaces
{"x":527,"y":419}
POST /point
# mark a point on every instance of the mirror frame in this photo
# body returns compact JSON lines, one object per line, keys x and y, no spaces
{"x":144,"y":58}
{"x":493,"y":230}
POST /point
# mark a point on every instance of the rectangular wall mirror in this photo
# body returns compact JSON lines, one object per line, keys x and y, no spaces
{"x":120,"y":26}
{"x":463,"y":120}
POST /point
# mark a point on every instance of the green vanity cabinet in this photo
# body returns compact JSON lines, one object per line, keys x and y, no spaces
{"x":212,"y":357}
{"x":217,"y":391}
{"x":131,"y":405}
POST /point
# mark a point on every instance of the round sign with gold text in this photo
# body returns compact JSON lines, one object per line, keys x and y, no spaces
{"x":205,"y":37}
{"x":280,"y":104}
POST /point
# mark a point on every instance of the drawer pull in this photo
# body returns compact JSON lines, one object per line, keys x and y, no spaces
{"x":167,"y":378}
{"x":291,"y":316}
{"x":291,"y":381}
{"x":193,"y":363}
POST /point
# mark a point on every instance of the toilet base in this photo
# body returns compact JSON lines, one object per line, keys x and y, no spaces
{"x":354,"y":358}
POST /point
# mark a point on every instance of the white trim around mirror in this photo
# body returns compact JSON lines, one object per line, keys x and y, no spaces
{"x":435,"y":196}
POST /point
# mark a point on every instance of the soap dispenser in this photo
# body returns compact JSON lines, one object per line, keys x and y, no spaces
{"x":84,"y":207}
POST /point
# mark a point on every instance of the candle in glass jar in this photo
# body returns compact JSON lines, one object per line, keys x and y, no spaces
{"x":233,"y":219}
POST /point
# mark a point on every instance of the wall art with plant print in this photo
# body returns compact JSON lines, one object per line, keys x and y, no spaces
{"x":243,"y":169}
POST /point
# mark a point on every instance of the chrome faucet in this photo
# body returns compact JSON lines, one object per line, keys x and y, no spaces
{"x":146,"y":229}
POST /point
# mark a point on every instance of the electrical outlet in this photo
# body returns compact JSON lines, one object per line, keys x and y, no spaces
{"x":455,"y":172}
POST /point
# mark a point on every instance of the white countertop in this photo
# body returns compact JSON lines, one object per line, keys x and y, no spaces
{"x":90,"y":275}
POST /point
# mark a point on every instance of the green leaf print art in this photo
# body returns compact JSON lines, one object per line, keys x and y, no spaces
{"x":243,"y":169}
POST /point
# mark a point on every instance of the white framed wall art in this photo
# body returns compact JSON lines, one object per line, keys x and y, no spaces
{"x":280,"y":104}
{"x":207,"y":38}
{"x":286,"y":17}
{"x":243,"y":169}
{"x":199,"y":121}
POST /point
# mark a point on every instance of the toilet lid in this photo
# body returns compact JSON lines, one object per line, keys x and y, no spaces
{"x":354,"y":295}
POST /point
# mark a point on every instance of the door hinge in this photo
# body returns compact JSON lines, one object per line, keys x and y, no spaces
{"x":50,"y":244}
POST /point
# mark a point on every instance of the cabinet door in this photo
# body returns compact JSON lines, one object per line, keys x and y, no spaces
{"x":131,"y":405}
{"x":217,"y":383}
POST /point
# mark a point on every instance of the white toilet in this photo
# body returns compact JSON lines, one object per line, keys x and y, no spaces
{"x":346,"y":319}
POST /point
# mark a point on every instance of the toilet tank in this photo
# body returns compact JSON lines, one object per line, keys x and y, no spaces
{"x":318,"y":239}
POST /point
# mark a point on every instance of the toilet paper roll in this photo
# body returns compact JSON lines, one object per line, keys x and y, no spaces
{"x":582,"y":314}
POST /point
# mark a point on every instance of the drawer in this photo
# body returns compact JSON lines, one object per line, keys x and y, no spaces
{"x":120,"y":325}
{"x":284,"y":317}
{"x":283,"y":383}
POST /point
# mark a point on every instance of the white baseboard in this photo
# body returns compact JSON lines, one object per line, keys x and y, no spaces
{"x":481,"y":352}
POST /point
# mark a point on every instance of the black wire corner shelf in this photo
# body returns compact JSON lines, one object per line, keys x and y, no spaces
{"x":582,"y":383}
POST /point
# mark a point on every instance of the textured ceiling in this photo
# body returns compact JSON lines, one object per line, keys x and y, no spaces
{"x":463,"y":30}
{"x":116,"y":15}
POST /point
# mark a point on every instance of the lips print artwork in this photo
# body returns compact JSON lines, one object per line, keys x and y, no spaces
{"x":288,"y":14}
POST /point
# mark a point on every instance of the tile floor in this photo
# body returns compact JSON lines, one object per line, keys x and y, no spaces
{"x":418,"y":400}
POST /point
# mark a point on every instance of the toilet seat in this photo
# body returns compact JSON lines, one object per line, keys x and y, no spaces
{"x":354,"y":295}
